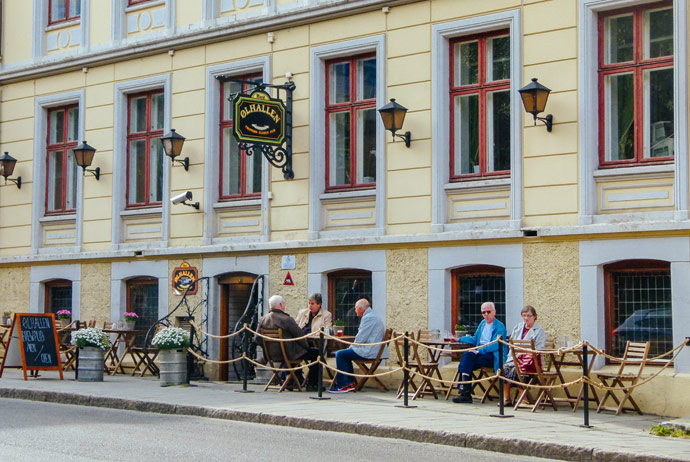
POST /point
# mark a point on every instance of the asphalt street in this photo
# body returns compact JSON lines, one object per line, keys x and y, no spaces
{"x":36,"y":432}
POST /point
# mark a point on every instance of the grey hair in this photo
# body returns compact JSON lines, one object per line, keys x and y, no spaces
{"x":316,"y":297}
{"x":275,"y":301}
{"x":489,"y":304}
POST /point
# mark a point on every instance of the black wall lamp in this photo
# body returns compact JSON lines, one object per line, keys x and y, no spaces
{"x":393,"y":116}
{"x":534,"y":96}
{"x":83,"y":154}
{"x":7,"y":163}
{"x":172,"y":145}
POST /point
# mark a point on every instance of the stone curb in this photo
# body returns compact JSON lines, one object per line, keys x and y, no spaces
{"x":465,"y":440}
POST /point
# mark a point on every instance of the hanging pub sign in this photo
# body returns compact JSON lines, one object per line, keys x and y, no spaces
{"x":259,"y":119}
{"x":261,"y":124}
{"x":184,"y":279}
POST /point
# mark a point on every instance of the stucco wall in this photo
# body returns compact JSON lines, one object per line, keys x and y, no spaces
{"x":407,"y":289}
{"x":15,"y":292}
{"x":552,"y":286}
{"x":95,"y":292}
{"x":295,"y":296}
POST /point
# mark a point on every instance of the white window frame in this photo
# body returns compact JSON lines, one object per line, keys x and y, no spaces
{"x":122,"y":92}
{"x":442,"y":262}
{"x":41,"y":107}
{"x":321,"y":264}
{"x":441,"y":36}
{"x":38,"y":277}
{"x":121,"y":272}
{"x":40,"y":23}
{"x":317,"y":158}
{"x":589,"y":114}
{"x":212,"y":154}
{"x":118,"y":32}
{"x":594,"y":255}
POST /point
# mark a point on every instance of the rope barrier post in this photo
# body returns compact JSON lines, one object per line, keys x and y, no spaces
{"x":406,"y":374}
{"x":501,"y":413}
{"x":322,"y":356}
{"x":585,"y":372}
{"x":245,"y":364}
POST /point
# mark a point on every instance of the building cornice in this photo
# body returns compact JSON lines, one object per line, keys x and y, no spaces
{"x":188,"y":38}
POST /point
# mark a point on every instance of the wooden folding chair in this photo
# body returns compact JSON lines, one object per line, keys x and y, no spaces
{"x":4,"y":332}
{"x":91,"y":323}
{"x":145,"y":357}
{"x":425,"y":365}
{"x":276,"y":363}
{"x":543,"y":376}
{"x":636,"y":353}
{"x":369,"y":366}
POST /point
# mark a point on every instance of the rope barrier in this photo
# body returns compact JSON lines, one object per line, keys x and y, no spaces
{"x":214,"y":361}
{"x":443,"y":349}
{"x":383,"y":342}
{"x":208,"y":334}
{"x":352,"y":374}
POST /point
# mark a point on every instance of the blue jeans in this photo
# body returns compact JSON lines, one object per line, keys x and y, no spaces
{"x":471,"y":361}
{"x":343,"y":361}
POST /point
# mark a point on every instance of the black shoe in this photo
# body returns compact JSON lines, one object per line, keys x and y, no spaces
{"x":463,"y":399}
{"x":312,"y":387}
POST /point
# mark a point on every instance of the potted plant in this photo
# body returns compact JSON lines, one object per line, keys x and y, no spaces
{"x":130,"y":320}
{"x":6,"y":317}
{"x":172,"y":358}
{"x":339,"y":327}
{"x":92,"y":343}
{"x":64,"y":316}
{"x":461,"y":330}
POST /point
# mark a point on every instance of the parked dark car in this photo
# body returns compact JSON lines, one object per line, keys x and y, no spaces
{"x":646,"y":326}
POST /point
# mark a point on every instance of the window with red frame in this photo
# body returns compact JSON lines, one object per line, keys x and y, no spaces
{"x":146,"y":112}
{"x":471,"y":286}
{"x":58,"y":296}
{"x":636,"y":85}
{"x":351,"y":122}
{"x":638,"y":305}
{"x":63,"y":10}
{"x":480,"y":105}
{"x":240,"y":174}
{"x":61,"y":167}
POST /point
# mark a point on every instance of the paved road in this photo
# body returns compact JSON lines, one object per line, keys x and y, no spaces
{"x":36,"y":432}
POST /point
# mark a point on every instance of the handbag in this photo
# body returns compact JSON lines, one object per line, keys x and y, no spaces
{"x":525,"y":362}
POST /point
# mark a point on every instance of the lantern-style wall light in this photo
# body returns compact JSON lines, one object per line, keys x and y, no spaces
{"x":172,"y":145}
{"x":393,"y":116}
{"x":7,"y":163}
{"x":83,"y":154}
{"x":534,"y":96}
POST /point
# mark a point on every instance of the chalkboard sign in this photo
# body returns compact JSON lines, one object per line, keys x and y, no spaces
{"x":35,"y":336}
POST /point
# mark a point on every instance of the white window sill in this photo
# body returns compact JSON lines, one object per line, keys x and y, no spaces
{"x":477,"y":184}
{"x":145,"y":5}
{"x":630,"y":171}
{"x":62,"y":25}
{"x":235,"y":204}
{"x":364,"y":194}
{"x":58,"y":218}
{"x":141,"y":212}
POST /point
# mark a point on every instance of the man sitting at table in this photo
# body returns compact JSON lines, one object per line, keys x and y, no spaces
{"x":371,"y":330}
{"x":277,"y":318}
{"x":312,"y":319}
{"x":488,"y":330}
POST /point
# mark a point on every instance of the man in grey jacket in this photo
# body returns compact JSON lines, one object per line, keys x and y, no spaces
{"x":371,"y":330}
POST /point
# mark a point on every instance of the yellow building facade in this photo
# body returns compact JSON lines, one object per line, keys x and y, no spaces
{"x":587,"y":222}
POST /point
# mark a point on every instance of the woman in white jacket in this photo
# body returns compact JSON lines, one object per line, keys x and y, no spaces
{"x":528,"y":329}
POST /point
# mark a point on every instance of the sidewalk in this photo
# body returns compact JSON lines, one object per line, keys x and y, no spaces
{"x":549,"y":434}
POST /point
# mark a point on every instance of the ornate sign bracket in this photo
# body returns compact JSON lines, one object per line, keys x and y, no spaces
{"x":273,"y":138}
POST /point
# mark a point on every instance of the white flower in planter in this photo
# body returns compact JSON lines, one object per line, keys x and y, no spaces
{"x":91,"y":337}
{"x":171,"y":338}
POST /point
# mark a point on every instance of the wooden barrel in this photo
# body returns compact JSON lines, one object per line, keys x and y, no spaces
{"x":90,"y":364}
{"x":173,"y":367}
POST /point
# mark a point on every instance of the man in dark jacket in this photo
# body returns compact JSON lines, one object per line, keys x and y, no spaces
{"x":277,"y":318}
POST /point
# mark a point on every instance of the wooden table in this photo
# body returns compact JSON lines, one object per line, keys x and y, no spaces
{"x":112,"y":361}
{"x":455,"y":351}
{"x":559,"y":360}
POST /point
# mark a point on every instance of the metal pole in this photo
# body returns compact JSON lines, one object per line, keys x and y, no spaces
{"x":500,"y":381}
{"x":585,"y":373}
{"x":322,"y":355}
{"x":406,"y":374}
{"x":190,"y":358}
{"x":245,"y":363}
{"x":76,"y":361}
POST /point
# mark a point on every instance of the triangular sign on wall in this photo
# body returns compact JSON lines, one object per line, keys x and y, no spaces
{"x":288,"y":280}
